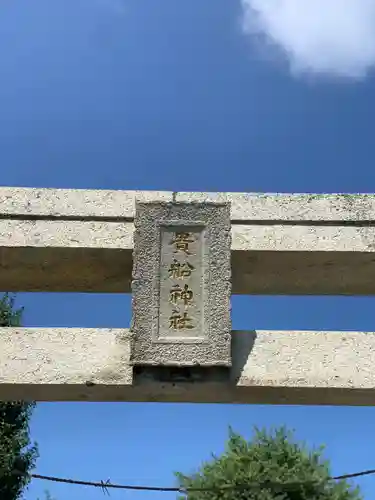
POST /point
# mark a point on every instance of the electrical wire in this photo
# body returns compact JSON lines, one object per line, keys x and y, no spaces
{"x":105,"y":485}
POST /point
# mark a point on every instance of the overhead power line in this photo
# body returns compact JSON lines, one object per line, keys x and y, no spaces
{"x":105,"y":485}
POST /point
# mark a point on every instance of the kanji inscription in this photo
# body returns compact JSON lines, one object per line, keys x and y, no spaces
{"x":180,"y":271}
{"x":181,"y":284}
{"x":181,"y":291}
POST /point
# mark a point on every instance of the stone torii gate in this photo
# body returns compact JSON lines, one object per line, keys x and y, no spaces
{"x":190,"y":252}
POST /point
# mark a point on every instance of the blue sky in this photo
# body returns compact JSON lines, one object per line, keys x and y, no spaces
{"x":223,"y":95}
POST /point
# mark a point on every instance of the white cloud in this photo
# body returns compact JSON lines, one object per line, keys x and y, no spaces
{"x":322,"y":37}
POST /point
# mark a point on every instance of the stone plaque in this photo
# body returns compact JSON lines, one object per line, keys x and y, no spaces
{"x":181,"y":284}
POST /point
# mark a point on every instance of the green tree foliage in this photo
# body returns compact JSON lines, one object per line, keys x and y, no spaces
{"x":272,"y":457}
{"x":9,"y":316}
{"x":16,"y":451}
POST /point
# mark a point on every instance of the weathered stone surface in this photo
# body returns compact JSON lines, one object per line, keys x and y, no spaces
{"x":75,"y":203}
{"x":66,"y":234}
{"x":93,"y":256}
{"x":119,"y":235}
{"x":291,"y":206}
{"x":269,"y":367}
{"x":286,"y":244}
{"x":181,"y":284}
{"x":78,"y":240}
{"x":86,"y":203}
{"x":64,"y":356}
